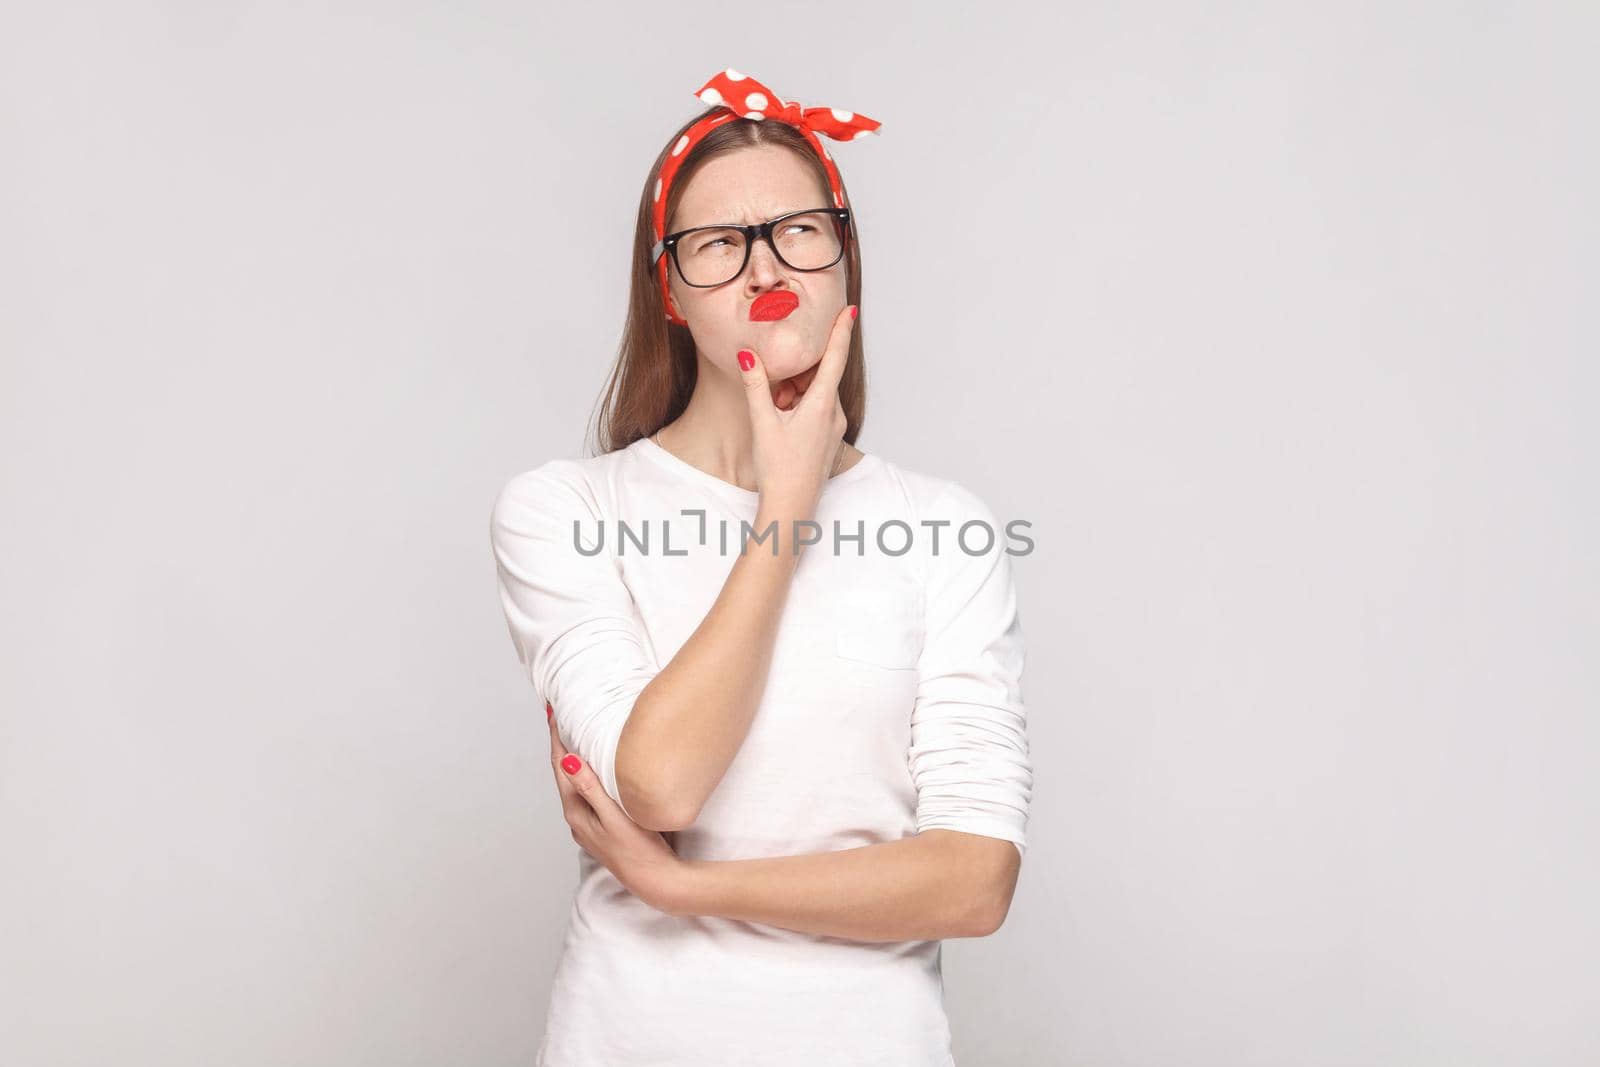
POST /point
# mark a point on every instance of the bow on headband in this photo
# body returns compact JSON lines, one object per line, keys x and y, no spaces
{"x":741,"y":96}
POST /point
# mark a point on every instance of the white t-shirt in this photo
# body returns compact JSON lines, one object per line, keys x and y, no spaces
{"x":892,"y":706}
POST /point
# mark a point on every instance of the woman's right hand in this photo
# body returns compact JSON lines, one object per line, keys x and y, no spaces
{"x":795,"y":450}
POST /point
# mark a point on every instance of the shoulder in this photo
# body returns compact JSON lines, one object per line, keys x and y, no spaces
{"x":934,"y":498}
{"x":955,"y":536}
{"x":560,"y":489}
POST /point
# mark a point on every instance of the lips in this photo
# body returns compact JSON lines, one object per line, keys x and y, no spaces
{"x":769,"y":307}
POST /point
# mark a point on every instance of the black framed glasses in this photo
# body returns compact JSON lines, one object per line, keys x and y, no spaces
{"x":708,"y":256}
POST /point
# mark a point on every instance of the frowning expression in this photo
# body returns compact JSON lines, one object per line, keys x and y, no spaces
{"x":784,"y":315}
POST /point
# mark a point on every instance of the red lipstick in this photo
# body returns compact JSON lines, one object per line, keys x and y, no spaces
{"x":769,"y":307}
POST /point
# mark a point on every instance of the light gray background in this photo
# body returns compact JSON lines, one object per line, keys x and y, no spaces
{"x":1277,"y":323}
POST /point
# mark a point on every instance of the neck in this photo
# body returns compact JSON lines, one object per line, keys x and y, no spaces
{"x":713,"y":433}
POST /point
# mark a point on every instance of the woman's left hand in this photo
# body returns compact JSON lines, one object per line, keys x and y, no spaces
{"x":640,"y":859}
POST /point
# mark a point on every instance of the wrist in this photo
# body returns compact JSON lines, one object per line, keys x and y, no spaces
{"x":780,"y":524}
{"x":787,"y":505}
{"x":682,"y":895}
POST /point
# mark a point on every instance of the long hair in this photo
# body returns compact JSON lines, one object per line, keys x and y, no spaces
{"x":654,"y":374}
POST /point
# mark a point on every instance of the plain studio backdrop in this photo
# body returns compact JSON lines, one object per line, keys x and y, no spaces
{"x":1277,"y":325}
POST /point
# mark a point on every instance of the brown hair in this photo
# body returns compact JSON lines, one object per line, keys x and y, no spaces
{"x":654,"y":374}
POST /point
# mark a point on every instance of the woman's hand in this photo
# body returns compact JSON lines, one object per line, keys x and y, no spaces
{"x":640,"y":859}
{"x":796,"y":448}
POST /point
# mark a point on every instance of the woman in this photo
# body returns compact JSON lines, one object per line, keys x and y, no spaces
{"x":796,"y":764}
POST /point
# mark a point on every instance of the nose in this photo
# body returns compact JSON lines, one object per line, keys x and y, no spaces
{"x":763,"y":272}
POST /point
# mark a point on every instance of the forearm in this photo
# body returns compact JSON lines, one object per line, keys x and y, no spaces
{"x":690,"y":721}
{"x":916,"y":888}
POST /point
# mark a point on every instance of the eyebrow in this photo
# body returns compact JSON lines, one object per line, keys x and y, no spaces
{"x":779,"y":215}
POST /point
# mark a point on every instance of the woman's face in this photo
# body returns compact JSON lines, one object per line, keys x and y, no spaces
{"x":749,"y":186}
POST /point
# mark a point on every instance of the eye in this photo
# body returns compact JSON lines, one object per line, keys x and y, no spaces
{"x":711,"y":242}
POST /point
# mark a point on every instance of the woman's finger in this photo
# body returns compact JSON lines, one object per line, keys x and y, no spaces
{"x":756,"y":390}
{"x":581,"y":777}
{"x":784,"y":396}
{"x":571,"y":802}
{"x":826,"y":384}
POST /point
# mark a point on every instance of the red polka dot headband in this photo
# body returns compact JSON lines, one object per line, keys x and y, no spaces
{"x":742,"y":96}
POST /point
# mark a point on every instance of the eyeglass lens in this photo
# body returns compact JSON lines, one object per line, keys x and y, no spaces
{"x":808,"y":241}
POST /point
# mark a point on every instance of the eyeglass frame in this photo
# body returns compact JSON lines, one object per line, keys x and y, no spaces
{"x":753,"y":233}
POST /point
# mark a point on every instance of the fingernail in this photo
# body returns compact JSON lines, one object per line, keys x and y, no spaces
{"x":747,"y":359}
{"x":571,"y":764}
{"x":852,"y":311}
{"x":548,"y":711}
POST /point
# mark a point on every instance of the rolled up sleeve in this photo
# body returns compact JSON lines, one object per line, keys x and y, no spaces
{"x":969,"y":754}
{"x":575,"y":626}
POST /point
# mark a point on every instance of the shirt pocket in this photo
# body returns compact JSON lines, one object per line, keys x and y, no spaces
{"x":878,"y":626}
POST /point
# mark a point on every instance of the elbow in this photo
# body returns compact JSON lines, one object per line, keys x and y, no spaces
{"x":992,"y":867}
{"x":654,"y":809}
{"x":985,"y":915}
{"x":671,"y":813}
{"x":659,"y":818}
{"x":1002,"y":887}
{"x":990,"y":915}
{"x":649,"y":796}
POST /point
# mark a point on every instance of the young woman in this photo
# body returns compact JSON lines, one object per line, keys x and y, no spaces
{"x":795,"y":762}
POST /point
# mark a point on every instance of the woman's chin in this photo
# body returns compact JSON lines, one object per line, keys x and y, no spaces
{"x":784,"y":352}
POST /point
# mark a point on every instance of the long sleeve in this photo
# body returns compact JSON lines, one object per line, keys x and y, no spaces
{"x":969,"y":755}
{"x":576,"y":629}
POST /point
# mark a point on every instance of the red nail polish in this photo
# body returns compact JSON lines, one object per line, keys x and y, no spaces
{"x":571,"y":764}
{"x":852,"y":311}
{"x":548,"y":711}
{"x":747,"y":359}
